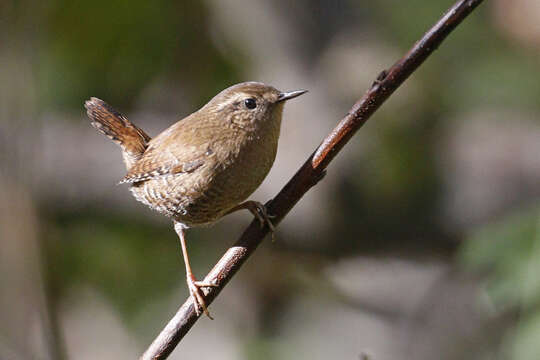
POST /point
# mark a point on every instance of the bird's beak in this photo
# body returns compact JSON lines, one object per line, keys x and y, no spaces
{"x":290,"y":95}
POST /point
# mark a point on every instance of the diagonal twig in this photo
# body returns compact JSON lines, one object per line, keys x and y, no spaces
{"x":311,"y":172}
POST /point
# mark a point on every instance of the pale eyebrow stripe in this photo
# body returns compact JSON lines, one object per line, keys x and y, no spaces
{"x":232,"y":100}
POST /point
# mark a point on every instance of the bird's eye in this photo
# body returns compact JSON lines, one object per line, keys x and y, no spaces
{"x":250,"y":103}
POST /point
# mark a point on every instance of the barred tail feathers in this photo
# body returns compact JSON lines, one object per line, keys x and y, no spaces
{"x":118,"y":128}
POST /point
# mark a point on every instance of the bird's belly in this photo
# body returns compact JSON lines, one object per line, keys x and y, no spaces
{"x":202,"y":197}
{"x":228,"y":187}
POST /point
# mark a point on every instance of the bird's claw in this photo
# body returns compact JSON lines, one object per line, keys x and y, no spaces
{"x":261,"y":213}
{"x":195,"y":292}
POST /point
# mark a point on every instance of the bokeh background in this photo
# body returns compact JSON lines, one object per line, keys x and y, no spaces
{"x":422,"y":242}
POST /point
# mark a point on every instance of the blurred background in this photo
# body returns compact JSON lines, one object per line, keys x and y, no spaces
{"x":422,"y":242}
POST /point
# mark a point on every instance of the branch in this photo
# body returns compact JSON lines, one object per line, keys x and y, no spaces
{"x":310,"y":173}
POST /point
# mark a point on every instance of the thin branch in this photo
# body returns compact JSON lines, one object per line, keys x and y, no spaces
{"x":310,"y":173}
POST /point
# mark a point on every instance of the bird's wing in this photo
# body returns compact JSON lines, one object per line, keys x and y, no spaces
{"x":157,"y":168}
{"x":174,"y":151}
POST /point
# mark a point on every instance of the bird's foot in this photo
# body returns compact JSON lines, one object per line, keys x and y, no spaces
{"x":261,"y":213}
{"x":194,"y":287}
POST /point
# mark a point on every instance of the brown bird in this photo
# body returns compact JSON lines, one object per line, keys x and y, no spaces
{"x":206,"y":165}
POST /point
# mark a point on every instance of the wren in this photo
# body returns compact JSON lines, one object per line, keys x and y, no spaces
{"x":204,"y":166}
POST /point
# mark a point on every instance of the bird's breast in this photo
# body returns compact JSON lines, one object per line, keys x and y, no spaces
{"x":239,"y":166}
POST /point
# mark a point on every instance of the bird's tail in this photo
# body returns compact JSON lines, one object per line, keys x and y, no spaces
{"x":118,"y":128}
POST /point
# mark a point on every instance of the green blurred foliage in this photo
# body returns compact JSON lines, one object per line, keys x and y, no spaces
{"x":509,"y":251}
{"x":115,"y":48}
{"x":131,"y":262}
{"x":124,"y":260}
{"x":396,"y":199}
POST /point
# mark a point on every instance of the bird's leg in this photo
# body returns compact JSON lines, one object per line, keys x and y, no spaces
{"x":259,"y":211}
{"x":193,"y":285}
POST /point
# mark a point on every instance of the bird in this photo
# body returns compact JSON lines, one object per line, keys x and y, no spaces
{"x":204,"y":166}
